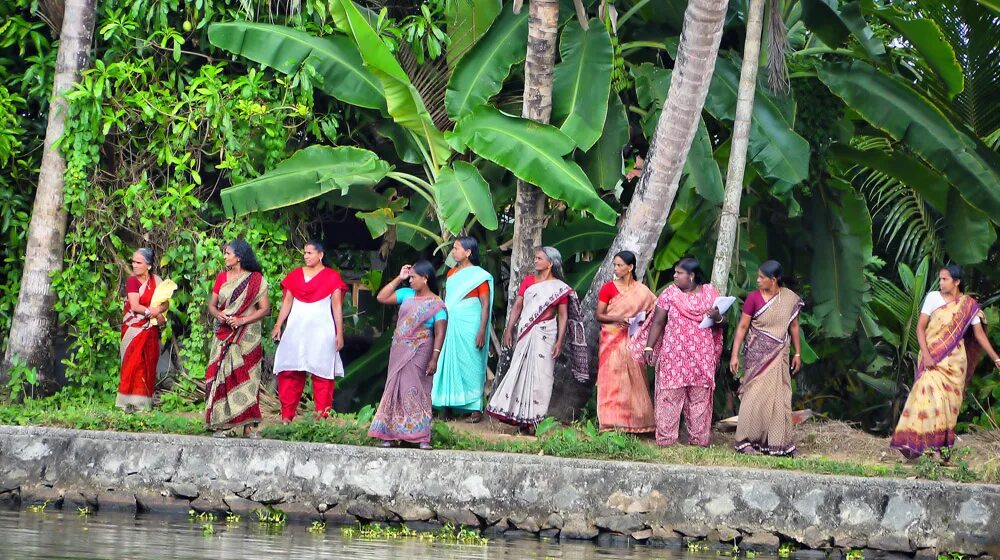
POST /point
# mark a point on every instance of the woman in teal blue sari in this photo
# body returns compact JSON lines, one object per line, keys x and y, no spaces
{"x":462,"y":368}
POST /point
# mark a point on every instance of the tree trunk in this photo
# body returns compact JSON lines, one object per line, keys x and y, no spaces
{"x":529,"y":205}
{"x":647,"y":214}
{"x":726,"y":244}
{"x":33,"y":328}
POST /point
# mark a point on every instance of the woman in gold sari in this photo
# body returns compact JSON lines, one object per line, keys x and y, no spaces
{"x":952,"y":338}
{"x":770,"y":321}
{"x":623,"y":401}
{"x":232,"y":381}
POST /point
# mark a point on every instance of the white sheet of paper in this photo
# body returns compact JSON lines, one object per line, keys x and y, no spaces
{"x":723,"y":303}
{"x":635,"y":323}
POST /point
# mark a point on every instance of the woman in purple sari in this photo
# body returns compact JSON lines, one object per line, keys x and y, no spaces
{"x":404,"y":413}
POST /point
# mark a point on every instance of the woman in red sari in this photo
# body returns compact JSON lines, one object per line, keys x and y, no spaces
{"x":952,"y":339}
{"x":232,"y":381}
{"x":140,"y":343}
{"x":623,"y":401}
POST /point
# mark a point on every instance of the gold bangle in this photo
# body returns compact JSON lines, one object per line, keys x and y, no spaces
{"x":797,"y":355}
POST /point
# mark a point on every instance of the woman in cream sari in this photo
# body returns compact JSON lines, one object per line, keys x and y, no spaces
{"x":770,"y":321}
{"x":545,"y":310}
{"x":623,"y":401}
{"x":232,"y":381}
{"x":949,"y":321}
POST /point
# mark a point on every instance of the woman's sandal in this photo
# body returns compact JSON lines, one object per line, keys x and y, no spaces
{"x":426,"y":446}
{"x":474,"y":418}
{"x":387,"y":444}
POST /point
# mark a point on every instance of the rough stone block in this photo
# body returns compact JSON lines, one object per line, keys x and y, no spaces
{"x":409,"y":511}
{"x":495,"y":531}
{"x":725,"y":535}
{"x":75,"y":501}
{"x":926,"y":554}
{"x":518,"y":534}
{"x":576,"y":526}
{"x":849,"y":541}
{"x":691,"y":530}
{"x":183,"y":490}
{"x":549,"y":534}
{"x":38,"y":495}
{"x":149,"y":502}
{"x":338,"y":515}
{"x":614,"y":540}
{"x":761,"y":542}
{"x":525,"y":523}
{"x":553,"y":521}
{"x":241,"y":506}
{"x":120,"y":502}
{"x":642,"y":535}
{"x":366,"y":511}
{"x":458,"y":517}
{"x":210,"y":504}
{"x":623,"y":524}
{"x":891,"y":543}
{"x":487,"y":517}
{"x":297,"y":511}
{"x":10,"y":499}
{"x":423,"y":526}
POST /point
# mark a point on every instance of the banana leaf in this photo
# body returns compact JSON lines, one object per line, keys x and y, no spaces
{"x":581,"y":83}
{"x":286,"y":50}
{"x":460,"y":190}
{"x":834,"y":23}
{"x":603,"y":162}
{"x":306,"y":174}
{"x":534,"y":153}
{"x":404,"y":103}
{"x":891,"y":105}
{"x":579,"y":236}
{"x":467,"y":21}
{"x":927,"y":39}
{"x":481,"y":73}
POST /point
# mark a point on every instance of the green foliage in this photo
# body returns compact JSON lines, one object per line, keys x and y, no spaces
{"x":446,"y":534}
{"x":581,"y":83}
{"x":460,"y":191}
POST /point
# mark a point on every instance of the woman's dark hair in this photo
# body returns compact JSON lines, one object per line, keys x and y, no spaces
{"x":693,"y":267}
{"x":955,"y":272}
{"x":772,"y":269}
{"x":317,"y":246}
{"x":426,"y":269}
{"x":628,"y":257}
{"x":147,"y":255}
{"x":243,"y":252}
{"x":470,"y":244}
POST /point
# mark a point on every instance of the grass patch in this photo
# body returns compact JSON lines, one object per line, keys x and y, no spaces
{"x":446,"y":534}
{"x":579,"y":440}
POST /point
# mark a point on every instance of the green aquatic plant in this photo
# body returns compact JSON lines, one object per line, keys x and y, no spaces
{"x":232,"y":518}
{"x":271,"y":516}
{"x":317,"y":528}
{"x":855,"y":555}
{"x":38,"y":508}
{"x":446,"y":534}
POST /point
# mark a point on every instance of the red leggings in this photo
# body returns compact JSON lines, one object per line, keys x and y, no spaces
{"x":290,"y":387}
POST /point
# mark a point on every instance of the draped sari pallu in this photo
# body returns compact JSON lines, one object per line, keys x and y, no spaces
{"x":462,"y":368}
{"x":234,"y":369}
{"x":931,"y":411}
{"x":140,"y":351}
{"x":623,"y":400}
{"x":765,"y":415}
{"x":521,"y":398}
{"x":404,"y":413}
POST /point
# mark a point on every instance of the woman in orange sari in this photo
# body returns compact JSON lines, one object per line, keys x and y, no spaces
{"x":623,"y":401}
{"x":140,"y":343}
{"x":951,"y":337}
{"x":232,"y":381}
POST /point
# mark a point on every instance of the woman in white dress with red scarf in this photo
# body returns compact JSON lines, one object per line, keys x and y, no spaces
{"x":310,"y":345}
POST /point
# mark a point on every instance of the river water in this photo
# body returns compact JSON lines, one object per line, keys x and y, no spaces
{"x":64,"y":535}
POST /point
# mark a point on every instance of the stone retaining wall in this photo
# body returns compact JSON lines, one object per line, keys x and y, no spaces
{"x":500,"y":493}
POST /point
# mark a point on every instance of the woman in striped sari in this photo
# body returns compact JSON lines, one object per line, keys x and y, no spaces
{"x":952,"y":337}
{"x":232,"y":381}
{"x":769,"y":323}
{"x":140,"y":342}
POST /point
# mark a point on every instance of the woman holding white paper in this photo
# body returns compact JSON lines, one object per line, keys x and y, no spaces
{"x":685,"y":355}
{"x":623,"y":401}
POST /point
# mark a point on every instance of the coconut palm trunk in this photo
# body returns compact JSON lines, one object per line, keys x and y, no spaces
{"x":34,"y":323}
{"x":726,"y":244}
{"x":647,"y":214}
{"x":529,"y":205}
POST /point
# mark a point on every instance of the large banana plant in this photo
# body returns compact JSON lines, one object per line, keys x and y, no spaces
{"x":358,"y":68}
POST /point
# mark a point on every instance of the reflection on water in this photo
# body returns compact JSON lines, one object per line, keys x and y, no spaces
{"x":65,"y":535}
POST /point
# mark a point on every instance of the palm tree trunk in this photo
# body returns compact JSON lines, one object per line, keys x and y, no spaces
{"x":529,"y":205}
{"x":647,"y":214}
{"x":726,"y":244}
{"x":34,"y":324}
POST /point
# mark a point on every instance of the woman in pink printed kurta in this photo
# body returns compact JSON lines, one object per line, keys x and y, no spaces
{"x":685,"y":356}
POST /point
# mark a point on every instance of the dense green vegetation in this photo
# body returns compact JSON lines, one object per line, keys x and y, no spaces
{"x":188,"y":130}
